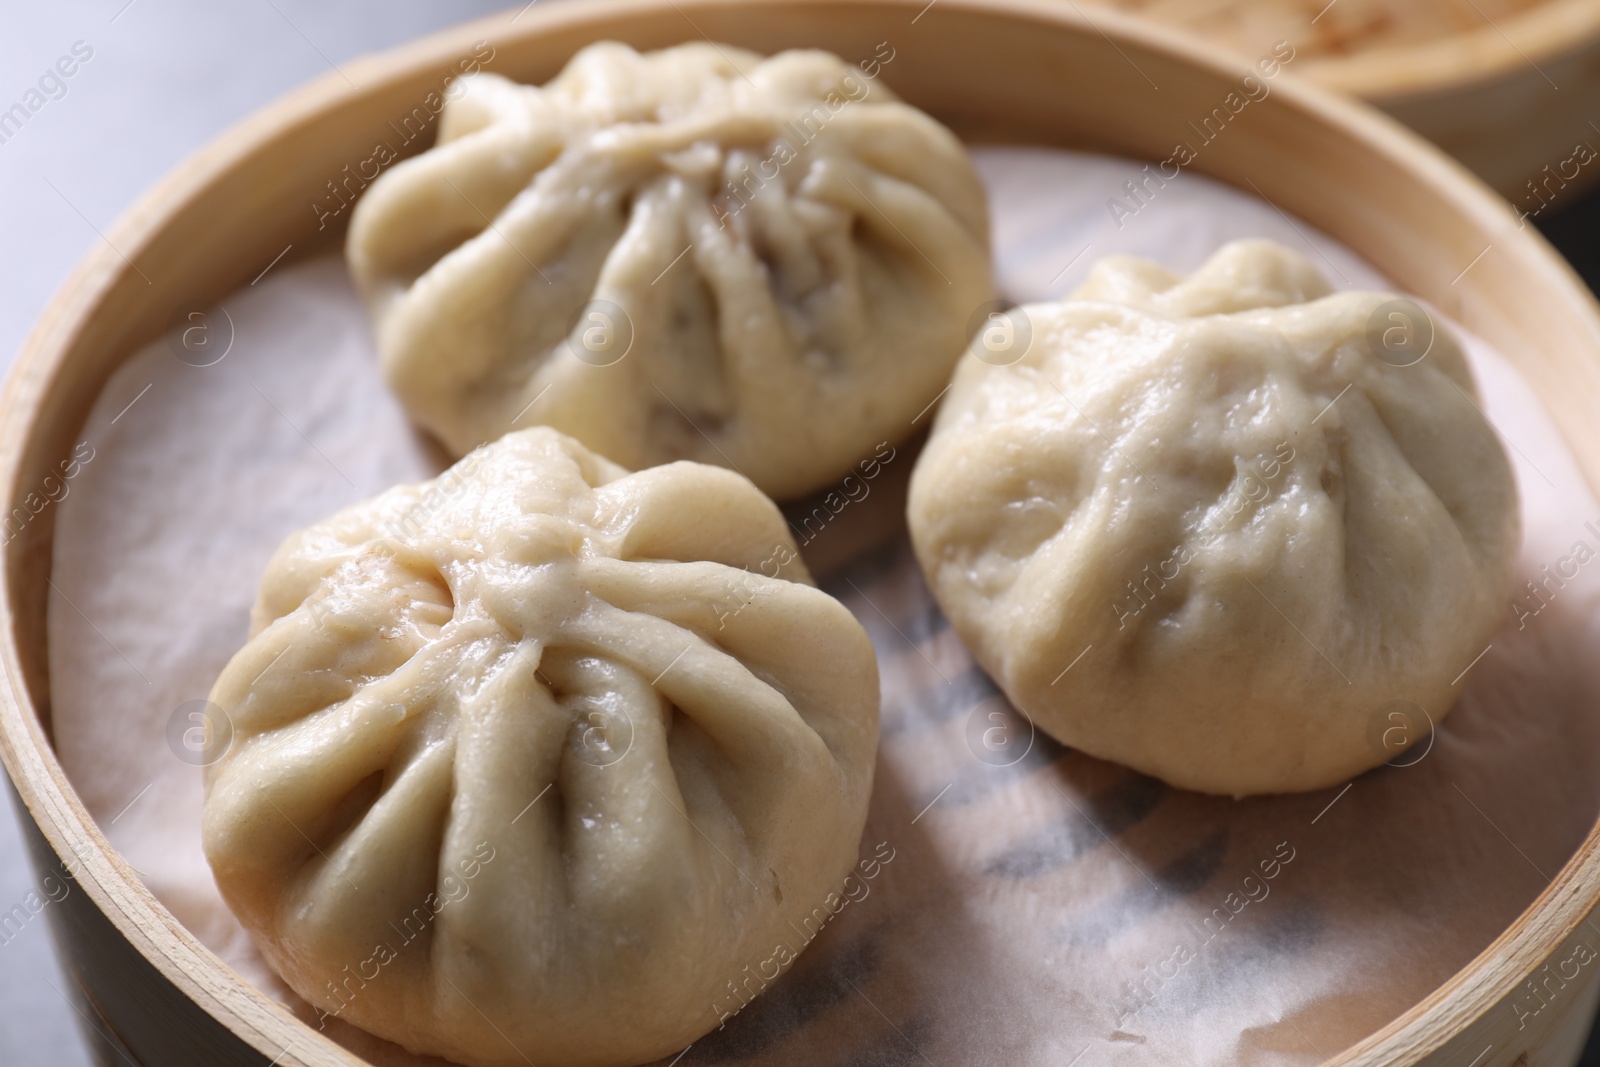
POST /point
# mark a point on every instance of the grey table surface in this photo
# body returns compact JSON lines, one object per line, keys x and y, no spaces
{"x":162,"y":78}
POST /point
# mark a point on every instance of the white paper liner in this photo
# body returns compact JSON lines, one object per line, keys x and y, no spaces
{"x":1050,"y":911}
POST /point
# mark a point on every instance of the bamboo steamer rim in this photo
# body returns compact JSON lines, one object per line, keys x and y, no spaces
{"x":1450,"y":63}
{"x":44,"y":369}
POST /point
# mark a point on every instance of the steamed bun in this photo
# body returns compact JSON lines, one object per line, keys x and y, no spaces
{"x":697,"y":253}
{"x":1270,"y":519}
{"x":530,"y":762}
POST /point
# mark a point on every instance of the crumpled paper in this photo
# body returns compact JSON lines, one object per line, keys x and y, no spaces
{"x":1027,"y":904}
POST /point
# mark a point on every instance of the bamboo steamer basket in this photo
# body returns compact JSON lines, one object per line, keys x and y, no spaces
{"x":1025,"y":70}
{"x":1508,"y":87}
